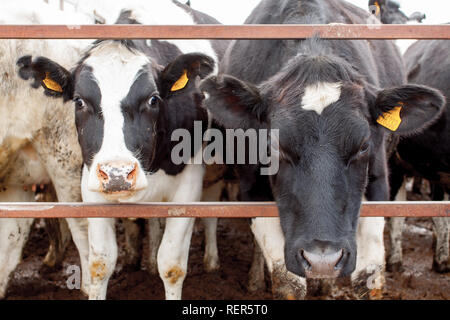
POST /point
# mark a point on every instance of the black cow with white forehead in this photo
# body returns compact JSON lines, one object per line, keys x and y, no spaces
{"x":334,"y":103}
{"x":130,"y":96}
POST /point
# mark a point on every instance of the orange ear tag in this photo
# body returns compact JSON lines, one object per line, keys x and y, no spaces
{"x":181,"y":83}
{"x":391,"y":119}
{"x":51,"y":84}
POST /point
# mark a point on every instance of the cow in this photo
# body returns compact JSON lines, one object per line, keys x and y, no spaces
{"x":38,"y":141}
{"x":129,"y":98}
{"x":388,"y":12}
{"x":426,"y":155}
{"x":334,"y":103}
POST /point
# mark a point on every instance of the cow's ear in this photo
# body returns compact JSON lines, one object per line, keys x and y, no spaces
{"x":375,"y":6}
{"x":234,"y":103}
{"x":55,"y":79}
{"x":183,"y":71}
{"x":408,"y":109}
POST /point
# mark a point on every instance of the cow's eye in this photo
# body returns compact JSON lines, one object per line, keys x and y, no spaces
{"x":364,"y":149}
{"x":153,"y":101}
{"x":360,"y":154}
{"x":79,"y":103}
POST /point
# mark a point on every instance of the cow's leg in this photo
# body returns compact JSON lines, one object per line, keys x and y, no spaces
{"x":57,"y":231}
{"x":79,"y":230}
{"x":368,"y":278}
{"x":256,"y":274}
{"x":211,"y":258}
{"x":13,"y":235}
{"x":102,"y":255}
{"x":59,"y":238}
{"x":173,"y":255}
{"x":270,"y":238}
{"x":133,"y":243}
{"x":395,"y":254}
{"x":395,"y":225}
{"x":173,"y":252}
{"x":441,"y":260}
{"x":155,"y":230}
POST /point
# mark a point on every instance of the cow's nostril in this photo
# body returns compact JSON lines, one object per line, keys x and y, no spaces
{"x":133,"y":173}
{"x":340,"y":264}
{"x":103,"y":176}
{"x":305,"y":261}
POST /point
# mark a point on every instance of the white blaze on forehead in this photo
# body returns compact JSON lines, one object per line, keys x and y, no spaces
{"x":320,"y":95}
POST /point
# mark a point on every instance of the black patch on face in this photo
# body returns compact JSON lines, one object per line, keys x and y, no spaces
{"x":88,"y":117}
{"x":148,"y":128}
{"x":152,"y":111}
{"x":182,"y":109}
{"x":141,"y":117}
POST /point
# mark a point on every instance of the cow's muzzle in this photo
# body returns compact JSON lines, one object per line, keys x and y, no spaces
{"x":323,"y":261}
{"x":117,"y":177}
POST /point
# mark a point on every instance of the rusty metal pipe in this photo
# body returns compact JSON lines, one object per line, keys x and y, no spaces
{"x":204,"y":209}
{"x":352,"y":31}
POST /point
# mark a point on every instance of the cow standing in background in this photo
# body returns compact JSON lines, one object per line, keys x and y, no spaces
{"x":129,"y":98}
{"x":388,"y":12}
{"x":38,"y":141}
{"x":427,"y":154}
{"x":334,"y":104}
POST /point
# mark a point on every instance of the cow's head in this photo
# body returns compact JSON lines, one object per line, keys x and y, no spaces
{"x":125,"y":108}
{"x":388,"y":12}
{"x":331,"y":132}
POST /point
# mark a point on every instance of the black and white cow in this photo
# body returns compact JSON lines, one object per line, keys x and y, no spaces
{"x":334,"y":104}
{"x":129,"y":98}
{"x":388,"y":12}
{"x":427,"y":154}
{"x":38,"y":140}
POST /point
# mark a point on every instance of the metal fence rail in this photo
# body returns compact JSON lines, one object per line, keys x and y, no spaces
{"x":219,"y":209}
{"x":353,"y":31}
{"x":204,"y":210}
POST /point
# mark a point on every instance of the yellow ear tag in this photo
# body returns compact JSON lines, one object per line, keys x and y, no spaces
{"x":51,"y":84}
{"x":181,"y":83}
{"x":391,"y":119}
{"x":378,"y":8}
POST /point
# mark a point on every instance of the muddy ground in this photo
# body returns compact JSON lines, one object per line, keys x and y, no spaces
{"x":418,"y":281}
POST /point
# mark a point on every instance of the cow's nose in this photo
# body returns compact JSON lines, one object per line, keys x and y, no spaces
{"x":322,"y":261}
{"x":117,"y":176}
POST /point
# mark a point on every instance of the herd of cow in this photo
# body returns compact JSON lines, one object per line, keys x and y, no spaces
{"x":95,"y":120}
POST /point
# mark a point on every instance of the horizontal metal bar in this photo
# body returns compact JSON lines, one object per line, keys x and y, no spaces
{"x":204,"y":209}
{"x":332,"y":31}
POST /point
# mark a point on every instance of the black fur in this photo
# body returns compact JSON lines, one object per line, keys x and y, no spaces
{"x":327,"y":162}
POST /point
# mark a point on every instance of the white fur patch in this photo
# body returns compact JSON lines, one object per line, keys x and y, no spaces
{"x":268,"y":234}
{"x":370,"y":244}
{"x":320,"y":95}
